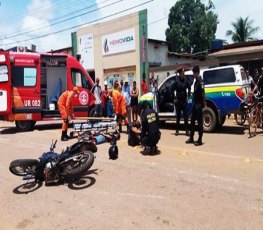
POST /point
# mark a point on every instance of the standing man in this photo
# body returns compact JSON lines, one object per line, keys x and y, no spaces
{"x":259,"y":87}
{"x":65,"y":109}
{"x":119,"y":104}
{"x":256,"y":76}
{"x":126,"y":90}
{"x":109,"y":111}
{"x":150,"y":134}
{"x":250,"y":80}
{"x":134,"y":101}
{"x":182,"y":90}
{"x":198,"y":104}
{"x":96,"y":90}
{"x":143,"y":85}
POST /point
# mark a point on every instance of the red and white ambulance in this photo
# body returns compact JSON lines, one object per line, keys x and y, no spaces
{"x":31,"y":83}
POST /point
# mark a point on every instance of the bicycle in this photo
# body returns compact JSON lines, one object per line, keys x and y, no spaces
{"x":255,"y":116}
{"x":245,"y":108}
{"x":241,"y":117}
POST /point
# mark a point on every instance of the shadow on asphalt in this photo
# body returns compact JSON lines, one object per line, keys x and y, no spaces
{"x":236,"y":130}
{"x":84,"y":182}
{"x":27,"y":187}
{"x":39,"y":127}
{"x":43,"y":127}
{"x":148,"y":153}
{"x":9,"y":130}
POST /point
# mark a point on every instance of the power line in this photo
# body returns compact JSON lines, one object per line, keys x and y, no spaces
{"x":159,"y":20}
{"x":82,"y":9}
{"x":55,"y":23}
{"x":74,"y":27}
{"x":42,"y":11}
{"x":57,"y":9}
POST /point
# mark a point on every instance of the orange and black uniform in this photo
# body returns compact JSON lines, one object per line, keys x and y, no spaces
{"x":65,"y":109}
{"x":119,"y":105}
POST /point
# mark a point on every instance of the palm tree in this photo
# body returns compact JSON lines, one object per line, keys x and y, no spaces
{"x":243,"y":30}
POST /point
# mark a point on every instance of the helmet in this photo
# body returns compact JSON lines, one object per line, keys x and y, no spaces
{"x":76,"y":89}
{"x":113,"y":152}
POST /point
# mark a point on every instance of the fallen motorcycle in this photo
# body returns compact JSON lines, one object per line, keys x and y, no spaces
{"x":52,"y":167}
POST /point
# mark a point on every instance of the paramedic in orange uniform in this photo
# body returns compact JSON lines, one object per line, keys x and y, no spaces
{"x":65,"y":109}
{"x":119,"y":105}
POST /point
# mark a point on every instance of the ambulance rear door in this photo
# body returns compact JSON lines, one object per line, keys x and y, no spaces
{"x":26,"y":93}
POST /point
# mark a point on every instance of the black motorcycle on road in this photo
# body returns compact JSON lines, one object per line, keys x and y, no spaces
{"x":52,"y":167}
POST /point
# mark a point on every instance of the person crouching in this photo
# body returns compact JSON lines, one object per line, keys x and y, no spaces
{"x":150,"y":128}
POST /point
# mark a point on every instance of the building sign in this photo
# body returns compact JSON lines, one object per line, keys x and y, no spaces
{"x":118,"y":42}
{"x":86,"y":50}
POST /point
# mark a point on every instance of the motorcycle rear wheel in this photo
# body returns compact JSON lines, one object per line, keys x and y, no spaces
{"x":23,"y":167}
{"x":77,"y":168}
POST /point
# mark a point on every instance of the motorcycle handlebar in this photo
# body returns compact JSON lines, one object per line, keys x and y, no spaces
{"x":53,"y":145}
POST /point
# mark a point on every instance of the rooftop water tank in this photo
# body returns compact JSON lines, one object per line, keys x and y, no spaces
{"x":216,"y":44}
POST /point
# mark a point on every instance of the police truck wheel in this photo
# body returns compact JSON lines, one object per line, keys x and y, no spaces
{"x":25,"y":126}
{"x":209,"y":120}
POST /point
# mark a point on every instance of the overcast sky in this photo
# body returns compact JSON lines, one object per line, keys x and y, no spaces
{"x":22,"y":21}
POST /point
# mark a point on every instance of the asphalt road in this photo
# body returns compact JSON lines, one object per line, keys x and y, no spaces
{"x":214,"y":186}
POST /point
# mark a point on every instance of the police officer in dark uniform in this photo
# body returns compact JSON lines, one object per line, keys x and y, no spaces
{"x":181,"y":89}
{"x":150,"y":133}
{"x":259,"y":86}
{"x":198,"y":104}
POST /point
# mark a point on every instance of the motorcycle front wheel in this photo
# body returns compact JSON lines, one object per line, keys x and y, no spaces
{"x":79,"y":164}
{"x":23,"y":167}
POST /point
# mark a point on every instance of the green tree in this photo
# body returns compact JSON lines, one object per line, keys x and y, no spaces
{"x":192,"y":26}
{"x":243,"y":30}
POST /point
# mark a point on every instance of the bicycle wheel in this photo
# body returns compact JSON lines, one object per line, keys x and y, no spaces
{"x":253,"y":122}
{"x":240,"y":118}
